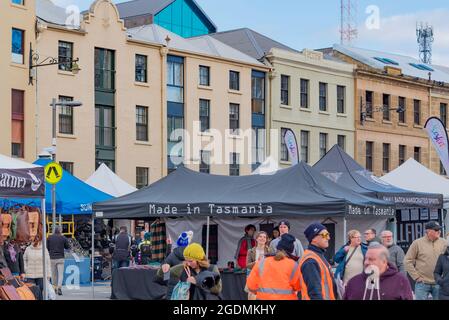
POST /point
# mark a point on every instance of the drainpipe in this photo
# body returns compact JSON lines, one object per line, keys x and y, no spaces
{"x":163,"y":51}
{"x":429,"y":143}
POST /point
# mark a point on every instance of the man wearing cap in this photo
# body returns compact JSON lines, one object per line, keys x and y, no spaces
{"x":421,"y":259}
{"x":317,"y":278}
{"x":284,"y":228}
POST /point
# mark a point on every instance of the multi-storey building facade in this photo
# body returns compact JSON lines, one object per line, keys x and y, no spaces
{"x":137,"y":85}
{"x":17,"y":97}
{"x":394,"y":100}
{"x":310,"y":95}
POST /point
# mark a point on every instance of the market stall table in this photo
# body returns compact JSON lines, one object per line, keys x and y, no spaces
{"x":136,"y":284}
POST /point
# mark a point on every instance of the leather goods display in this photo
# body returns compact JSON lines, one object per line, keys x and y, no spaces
{"x":6,"y":225}
{"x":8,"y":292}
{"x":6,"y":273}
{"x":34,"y":224}
{"x":25,"y":293}
{"x":23,"y":227}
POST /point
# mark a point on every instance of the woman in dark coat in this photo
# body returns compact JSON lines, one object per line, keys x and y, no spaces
{"x":441,"y":274}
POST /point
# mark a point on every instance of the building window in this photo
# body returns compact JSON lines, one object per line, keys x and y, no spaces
{"x":417,"y":111}
{"x":18,"y":46}
{"x":402,"y":153}
{"x":305,"y":146}
{"x":141,"y":68}
{"x":234,"y":122}
{"x":341,"y":94}
{"x":341,"y":141}
{"x":323,"y":144}
{"x":369,"y":155}
{"x":234,"y":167}
{"x":285,"y":87}
{"x":204,"y":76}
{"x":386,"y":106}
{"x":141,"y":177}
{"x":323,"y":96}
{"x":304,"y":93}
{"x":258,"y":146}
{"x":65,"y":116}
{"x":141,"y":123}
{"x":443,"y":113}
{"x":258,"y":94}
{"x":104,"y":69}
{"x":104,"y":127}
{"x":205,"y":115}
{"x":19,"y":2}
{"x":234,"y":80}
{"x":205,"y":162}
{"x":402,"y":106}
{"x":386,"y":157}
{"x":417,"y":154}
{"x":369,"y":104}
{"x":17,"y":123}
{"x":175,"y":80}
{"x":284,"y":150}
{"x":67,"y":166}
{"x":442,"y":170}
{"x":65,"y":55}
{"x":175,"y":126}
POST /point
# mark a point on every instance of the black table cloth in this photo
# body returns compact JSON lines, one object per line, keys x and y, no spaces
{"x":233,"y":286}
{"x":136,"y":284}
{"x":139,"y":284}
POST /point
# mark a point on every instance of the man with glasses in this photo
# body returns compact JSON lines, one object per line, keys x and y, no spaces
{"x":371,"y":236}
{"x":317,"y":279}
{"x":421,"y":259}
{"x":396,"y":253}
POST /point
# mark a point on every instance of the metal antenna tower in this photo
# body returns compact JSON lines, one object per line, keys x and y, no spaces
{"x":348,"y":28}
{"x":424,"y":34}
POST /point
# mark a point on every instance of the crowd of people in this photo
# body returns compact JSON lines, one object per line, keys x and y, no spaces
{"x":373,"y":269}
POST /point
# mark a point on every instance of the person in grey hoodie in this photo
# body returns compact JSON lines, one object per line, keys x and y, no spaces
{"x":284,"y":227}
{"x":397,"y":255}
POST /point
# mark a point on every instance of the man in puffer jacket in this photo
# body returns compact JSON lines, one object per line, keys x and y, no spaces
{"x":381,"y":280}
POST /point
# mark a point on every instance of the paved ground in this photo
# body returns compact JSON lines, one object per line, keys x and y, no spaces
{"x":102,"y":291}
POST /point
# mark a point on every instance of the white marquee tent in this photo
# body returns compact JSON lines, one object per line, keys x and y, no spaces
{"x":414,"y":176}
{"x":107,"y":181}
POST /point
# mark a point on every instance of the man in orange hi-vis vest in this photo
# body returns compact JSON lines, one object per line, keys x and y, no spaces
{"x":317,"y":279}
{"x":276,"y":277}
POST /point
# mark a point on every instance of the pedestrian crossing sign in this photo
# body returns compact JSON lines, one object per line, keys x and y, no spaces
{"x":53,"y":173}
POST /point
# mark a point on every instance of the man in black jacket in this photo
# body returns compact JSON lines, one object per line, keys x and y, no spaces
{"x":122,"y":251}
{"x":56,"y":244}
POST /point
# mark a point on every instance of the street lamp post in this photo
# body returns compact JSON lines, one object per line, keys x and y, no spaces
{"x":53,"y":105}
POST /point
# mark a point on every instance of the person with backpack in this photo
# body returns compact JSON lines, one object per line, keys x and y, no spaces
{"x":350,"y":257}
{"x":144,"y":248}
{"x":121,"y":255}
{"x":203,"y":277}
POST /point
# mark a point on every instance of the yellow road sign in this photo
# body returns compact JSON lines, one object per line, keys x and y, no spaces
{"x":53,"y":173}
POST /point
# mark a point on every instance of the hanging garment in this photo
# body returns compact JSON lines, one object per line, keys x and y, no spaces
{"x":158,"y":240}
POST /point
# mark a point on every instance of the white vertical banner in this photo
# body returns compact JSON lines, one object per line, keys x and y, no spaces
{"x":438,"y":135}
{"x":292,"y":146}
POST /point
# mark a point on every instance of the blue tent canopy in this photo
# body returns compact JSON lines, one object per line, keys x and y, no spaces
{"x":73,"y":196}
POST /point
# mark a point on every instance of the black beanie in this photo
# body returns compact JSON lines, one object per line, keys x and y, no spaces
{"x":287,"y":243}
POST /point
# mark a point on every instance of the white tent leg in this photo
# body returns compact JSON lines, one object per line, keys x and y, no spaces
{"x":93,"y":257}
{"x":44,"y":246}
{"x":207,"y":237}
{"x":344,"y":230}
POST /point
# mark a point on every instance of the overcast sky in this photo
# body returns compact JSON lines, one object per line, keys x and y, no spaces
{"x":315,"y":24}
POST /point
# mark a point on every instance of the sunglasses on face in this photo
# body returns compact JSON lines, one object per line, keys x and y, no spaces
{"x":325,"y":235}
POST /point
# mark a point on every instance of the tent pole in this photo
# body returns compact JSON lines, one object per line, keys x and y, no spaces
{"x":344,"y":230}
{"x":44,"y":246}
{"x":93,"y":256}
{"x":207,"y":237}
